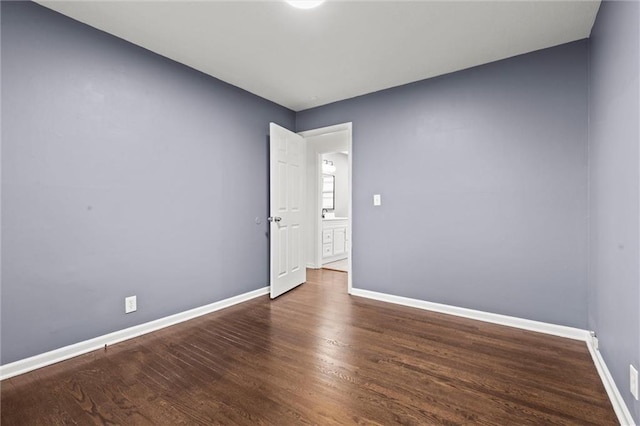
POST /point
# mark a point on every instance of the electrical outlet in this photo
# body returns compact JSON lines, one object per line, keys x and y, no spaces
{"x":633,"y":381}
{"x":130,"y":304}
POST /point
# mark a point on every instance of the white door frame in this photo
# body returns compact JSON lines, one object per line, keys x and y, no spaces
{"x":318,"y":212}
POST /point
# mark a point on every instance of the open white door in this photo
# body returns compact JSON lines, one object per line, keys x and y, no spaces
{"x":287,"y":178}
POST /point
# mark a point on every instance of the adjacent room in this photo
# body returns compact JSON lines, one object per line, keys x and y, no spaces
{"x":361,"y":212}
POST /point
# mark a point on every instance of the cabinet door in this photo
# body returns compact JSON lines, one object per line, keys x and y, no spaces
{"x":339,"y":240}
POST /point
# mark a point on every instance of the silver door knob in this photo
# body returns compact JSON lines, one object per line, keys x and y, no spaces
{"x":274,"y":219}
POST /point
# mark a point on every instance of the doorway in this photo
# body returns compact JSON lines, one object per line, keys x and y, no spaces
{"x":329,"y":198}
{"x":333,"y":196}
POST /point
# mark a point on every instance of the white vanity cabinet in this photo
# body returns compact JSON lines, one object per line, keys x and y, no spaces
{"x":334,"y":239}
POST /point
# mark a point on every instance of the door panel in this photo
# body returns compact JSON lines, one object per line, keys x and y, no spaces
{"x":283,"y":254}
{"x":287,"y":174}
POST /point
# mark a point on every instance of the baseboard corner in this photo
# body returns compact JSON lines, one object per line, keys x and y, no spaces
{"x":619,"y":406}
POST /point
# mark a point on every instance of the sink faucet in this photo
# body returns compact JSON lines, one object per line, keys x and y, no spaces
{"x":324,"y":211}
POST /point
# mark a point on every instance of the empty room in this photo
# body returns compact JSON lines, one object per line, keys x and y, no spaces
{"x":320,"y":212}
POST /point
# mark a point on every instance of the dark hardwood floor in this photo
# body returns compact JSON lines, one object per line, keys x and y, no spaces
{"x":319,"y":356}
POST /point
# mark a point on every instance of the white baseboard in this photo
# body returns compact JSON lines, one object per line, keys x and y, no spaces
{"x":525,"y":324}
{"x":42,"y":360}
{"x":336,"y":258}
{"x":619,"y":406}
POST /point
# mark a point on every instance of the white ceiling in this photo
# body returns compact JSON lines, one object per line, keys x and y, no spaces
{"x":306,"y":58}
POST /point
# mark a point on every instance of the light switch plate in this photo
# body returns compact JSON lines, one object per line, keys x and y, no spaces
{"x":377,"y":200}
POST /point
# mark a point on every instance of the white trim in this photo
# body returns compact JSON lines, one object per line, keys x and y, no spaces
{"x":318,"y":210}
{"x":525,"y":324}
{"x":42,"y":360}
{"x":328,"y":129}
{"x":350,"y":212}
{"x":619,"y":406}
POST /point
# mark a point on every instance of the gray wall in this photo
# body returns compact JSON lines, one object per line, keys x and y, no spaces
{"x":483,"y":177}
{"x":125,"y":173}
{"x":614,"y":177}
{"x":122,"y":173}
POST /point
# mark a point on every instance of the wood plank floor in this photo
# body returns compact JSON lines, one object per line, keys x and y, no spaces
{"x":319,"y":356}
